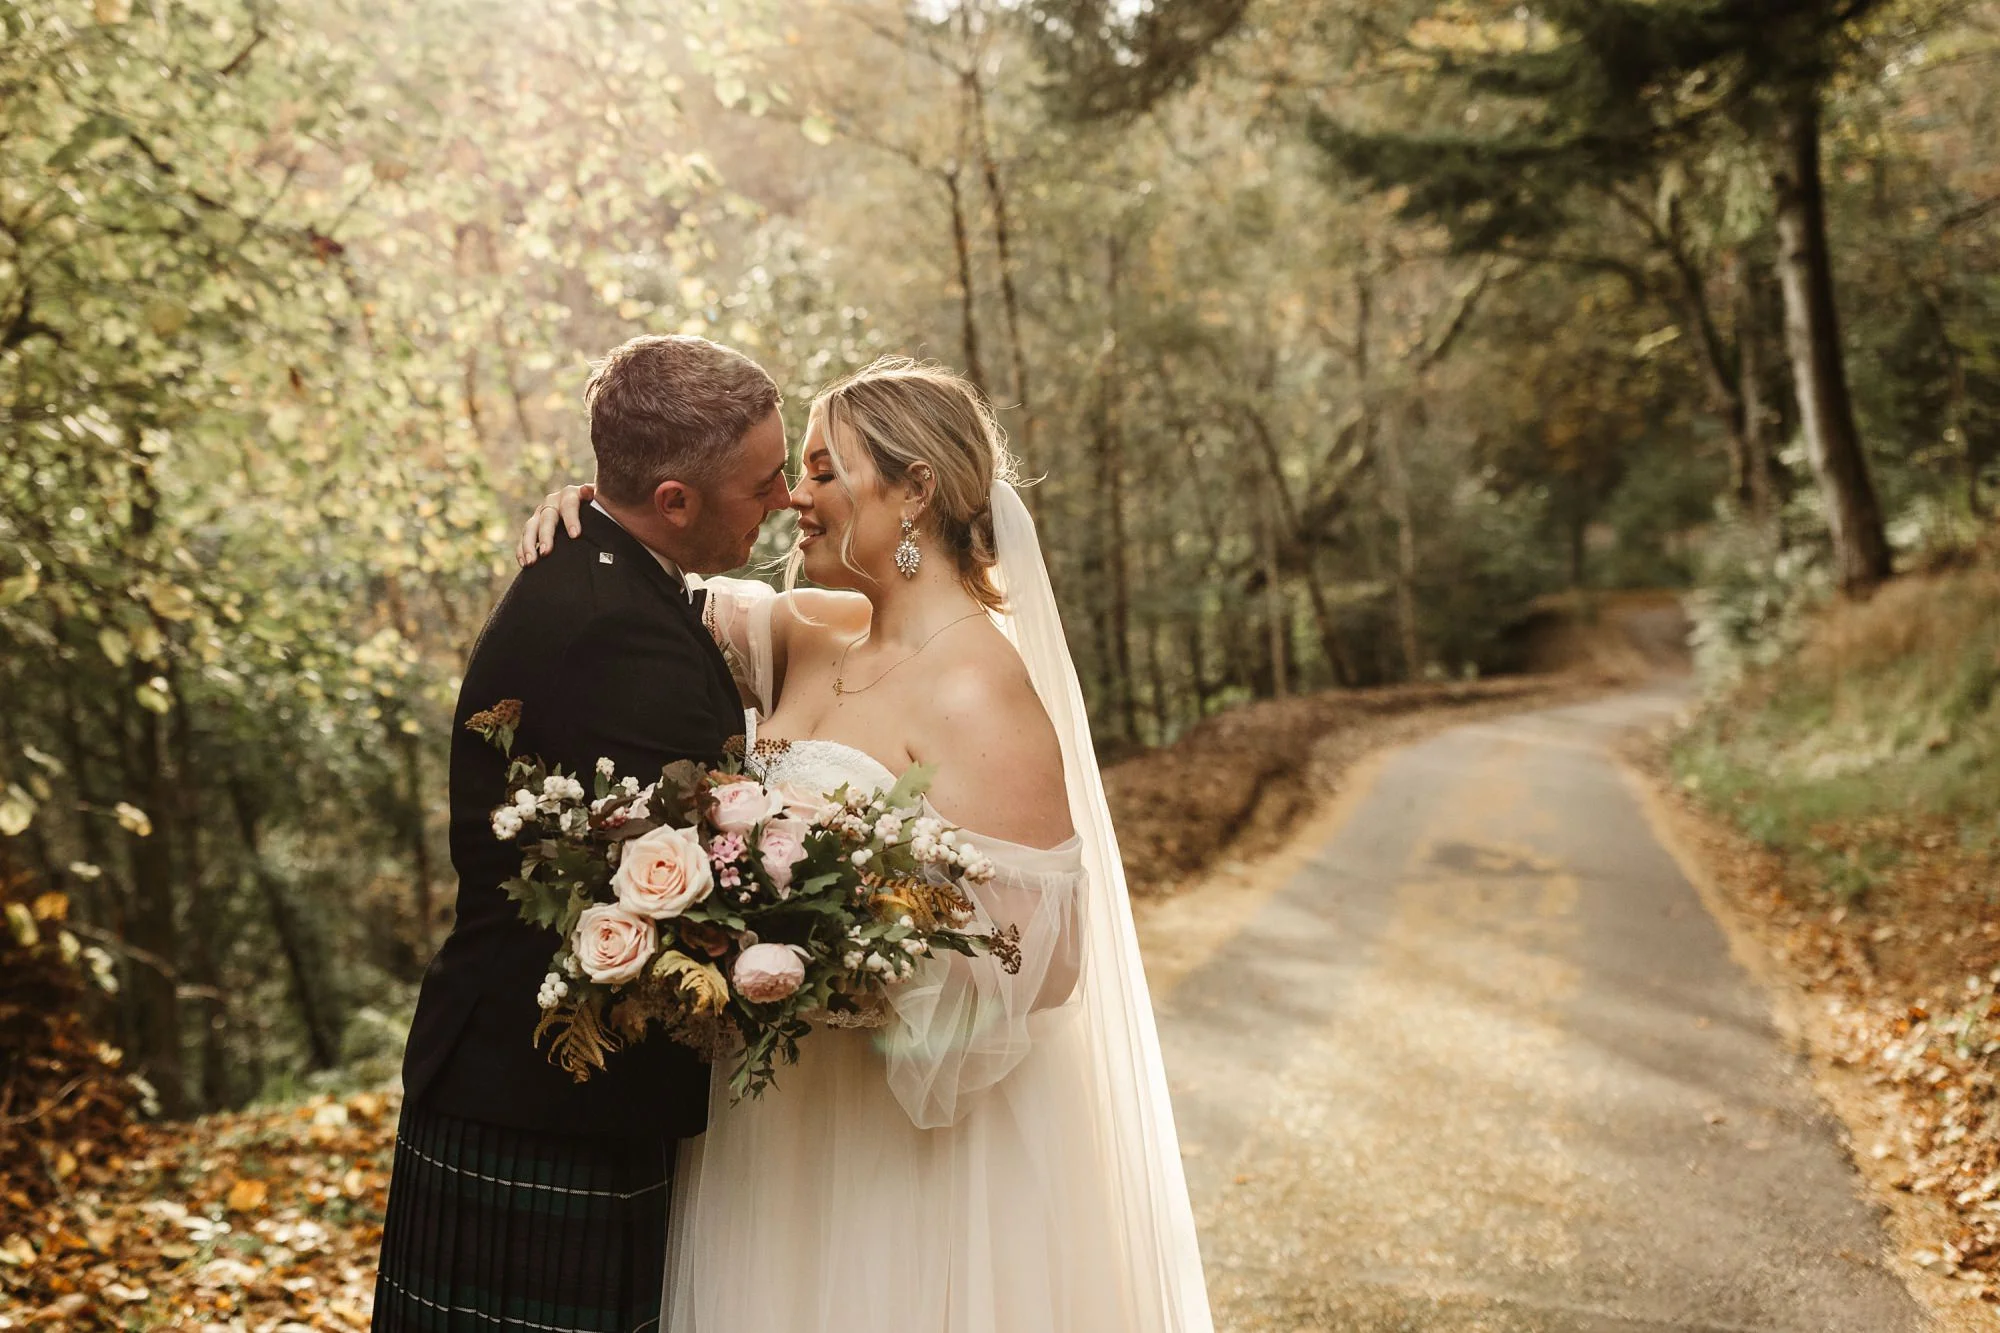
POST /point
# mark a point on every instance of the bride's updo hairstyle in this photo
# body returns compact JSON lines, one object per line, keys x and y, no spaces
{"x":904,"y":413}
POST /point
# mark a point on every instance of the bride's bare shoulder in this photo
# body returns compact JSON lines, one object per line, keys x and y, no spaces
{"x":979,"y":722}
{"x":812,"y":611}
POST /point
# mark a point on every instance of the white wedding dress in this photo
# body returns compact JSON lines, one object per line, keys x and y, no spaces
{"x":1000,"y":1156}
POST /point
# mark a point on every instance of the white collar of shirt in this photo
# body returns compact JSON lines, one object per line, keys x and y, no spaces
{"x":665,"y":563}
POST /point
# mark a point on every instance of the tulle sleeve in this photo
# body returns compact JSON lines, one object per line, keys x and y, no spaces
{"x":960,"y":1025}
{"x":738,"y":615}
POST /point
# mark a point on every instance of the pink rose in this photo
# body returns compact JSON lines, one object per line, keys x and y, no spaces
{"x":742,"y":806}
{"x":765,"y":973}
{"x":800,"y":801}
{"x":663,"y":873}
{"x":613,"y":945}
{"x":782,"y":846}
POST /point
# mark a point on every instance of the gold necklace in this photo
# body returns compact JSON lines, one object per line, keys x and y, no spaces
{"x":840,"y":672}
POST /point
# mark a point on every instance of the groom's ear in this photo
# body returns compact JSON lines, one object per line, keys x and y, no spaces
{"x":677,"y":502}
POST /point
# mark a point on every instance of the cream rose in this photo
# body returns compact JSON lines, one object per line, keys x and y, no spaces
{"x":765,"y":973}
{"x":800,"y":801}
{"x":742,"y":806}
{"x":663,"y":873}
{"x":612,"y":945}
{"x":781,"y":846}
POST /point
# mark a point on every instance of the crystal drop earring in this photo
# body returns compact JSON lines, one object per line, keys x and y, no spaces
{"x":908,"y":557}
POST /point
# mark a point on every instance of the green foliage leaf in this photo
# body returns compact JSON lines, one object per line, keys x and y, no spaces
{"x":541,"y":904}
{"x":19,"y":589}
{"x":153,"y":695}
{"x":97,"y":130}
{"x":910,"y":787}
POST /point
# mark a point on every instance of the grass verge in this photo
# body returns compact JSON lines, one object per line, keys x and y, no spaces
{"x":1849,"y":808}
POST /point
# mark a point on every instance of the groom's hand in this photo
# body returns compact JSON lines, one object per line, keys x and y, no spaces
{"x":539,"y":537}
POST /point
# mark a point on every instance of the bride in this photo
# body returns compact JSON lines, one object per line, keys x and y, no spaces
{"x":999,"y":1156}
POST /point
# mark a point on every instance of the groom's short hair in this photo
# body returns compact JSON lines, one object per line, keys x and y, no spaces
{"x":671,"y":408}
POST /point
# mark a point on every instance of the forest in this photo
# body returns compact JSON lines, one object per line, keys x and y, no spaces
{"x":1341,"y":336}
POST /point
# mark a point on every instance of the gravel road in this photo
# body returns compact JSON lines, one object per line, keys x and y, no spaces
{"x":1486,"y":1063}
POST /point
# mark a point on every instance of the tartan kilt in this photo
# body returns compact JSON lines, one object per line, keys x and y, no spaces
{"x":492,"y":1229}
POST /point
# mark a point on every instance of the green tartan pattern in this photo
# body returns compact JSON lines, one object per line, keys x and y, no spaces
{"x":492,"y":1229}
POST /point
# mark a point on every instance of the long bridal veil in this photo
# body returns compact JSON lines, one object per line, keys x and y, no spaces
{"x":1126,"y":1074}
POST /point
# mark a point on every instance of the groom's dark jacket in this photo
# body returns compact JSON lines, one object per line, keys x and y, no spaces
{"x":609,"y":659}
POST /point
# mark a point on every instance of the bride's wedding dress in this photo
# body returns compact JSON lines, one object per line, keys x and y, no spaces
{"x":998,"y":1156}
{"x":933,"y":1174}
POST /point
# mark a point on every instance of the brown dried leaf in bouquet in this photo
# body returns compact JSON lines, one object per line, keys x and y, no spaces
{"x":931,"y":907}
{"x":582,"y":1039}
{"x":703,"y":984}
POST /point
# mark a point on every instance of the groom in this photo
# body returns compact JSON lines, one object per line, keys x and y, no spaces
{"x":521,"y":1199}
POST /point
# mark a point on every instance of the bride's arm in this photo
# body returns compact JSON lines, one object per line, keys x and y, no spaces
{"x":963,"y":1024}
{"x":999,"y":766}
{"x":1000,"y":773}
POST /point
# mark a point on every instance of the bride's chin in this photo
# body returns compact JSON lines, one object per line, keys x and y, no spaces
{"x":820,"y":562}
{"x":813,"y":562}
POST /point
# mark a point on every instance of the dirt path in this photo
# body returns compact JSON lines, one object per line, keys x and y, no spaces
{"x":1484,"y":1062}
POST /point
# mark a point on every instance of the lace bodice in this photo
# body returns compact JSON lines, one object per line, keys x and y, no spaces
{"x":819,"y":764}
{"x":824,"y":765}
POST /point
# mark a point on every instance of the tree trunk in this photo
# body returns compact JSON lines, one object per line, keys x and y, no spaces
{"x":99,"y":896}
{"x":204,"y":920}
{"x":1287,"y":519}
{"x":154,"y":999}
{"x":1375,"y":443}
{"x":1957,"y":413}
{"x":470,"y":375}
{"x":1397,"y":474}
{"x":1755,"y":490}
{"x":1576,"y":530}
{"x":1111,"y":488}
{"x":1003,"y":244}
{"x":961,"y":246}
{"x":1198,"y":666}
{"x":1275,"y":613}
{"x":1156,"y":676}
{"x":1819,"y":374}
{"x":1721,"y":372}
{"x":1958,"y":419}
{"x":315,"y":1014}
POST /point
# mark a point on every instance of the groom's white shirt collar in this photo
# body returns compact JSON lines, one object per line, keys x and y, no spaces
{"x":665,"y":563}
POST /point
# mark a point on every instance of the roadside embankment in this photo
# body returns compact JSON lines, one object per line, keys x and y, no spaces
{"x":1237,"y":785}
{"x":1845,"y":805}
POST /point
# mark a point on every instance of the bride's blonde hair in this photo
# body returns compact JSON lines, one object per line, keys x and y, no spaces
{"x":906,"y":412}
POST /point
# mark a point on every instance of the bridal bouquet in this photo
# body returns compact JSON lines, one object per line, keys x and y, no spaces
{"x":723,"y":911}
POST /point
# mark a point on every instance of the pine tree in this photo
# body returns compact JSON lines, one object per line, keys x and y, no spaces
{"x":1608,"y":92}
{"x":1618,"y":88}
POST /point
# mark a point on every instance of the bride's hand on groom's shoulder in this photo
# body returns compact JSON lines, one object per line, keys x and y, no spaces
{"x":565,"y":506}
